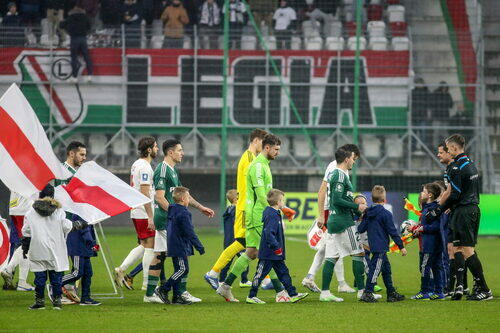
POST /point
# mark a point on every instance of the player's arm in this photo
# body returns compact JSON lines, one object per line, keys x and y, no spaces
{"x":145,"y":189}
{"x":337,"y":191}
{"x":204,"y":210}
{"x":257,"y":181}
{"x":161,"y":200}
{"x":321,"y":203}
{"x":455,"y":189}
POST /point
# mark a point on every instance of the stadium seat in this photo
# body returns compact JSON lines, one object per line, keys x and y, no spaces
{"x":400,"y":44}
{"x":314,"y":43}
{"x":396,"y":13}
{"x":271,"y":42}
{"x":211,"y":146}
{"x":248,"y":42}
{"x":376,"y":29}
{"x":187,"y":44}
{"x":235,"y":146}
{"x":333,"y":29}
{"x":398,"y":29}
{"x":188,"y":145}
{"x":374,"y":12}
{"x":296,"y":43}
{"x":121,"y":147}
{"x":301,"y":147}
{"x":97,"y":144}
{"x":351,"y":43}
{"x":310,"y":29}
{"x":350,"y":28}
{"x":393,"y":147}
{"x":157,"y":42}
{"x":285,"y":146}
{"x":370,"y":146}
{"x":325,"y":147}
{"x":334,"y":43}
{"x":392,"y":2}
{"x":46,"y":41}
{"x":378,"y":44}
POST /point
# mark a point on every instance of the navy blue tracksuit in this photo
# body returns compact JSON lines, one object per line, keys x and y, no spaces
{"x":443,"y":229}
{"x":228,"y":221}
{"x":80,"y":244}
{"x":273,"y":238}
{"x":432,"y":249}
{"x":379,"y":225}
{"x":180,"y":241}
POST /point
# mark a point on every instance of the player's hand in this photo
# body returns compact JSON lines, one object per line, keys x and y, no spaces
{"x":404,"y":252}
{"x":151,"y":225}
{"x":320,"y":222}
{"x":207,"y":211}
{"x":278,"y":252}
{"x":96,"y":248}
{"x":289,"y":213}
{"x":201,"y":251}
{"x":362,"y":207}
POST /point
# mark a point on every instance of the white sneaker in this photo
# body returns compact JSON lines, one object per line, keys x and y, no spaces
{"x":311,"y":285}
{"x":119,"y":276}
{"x":8,"y":278}
{"x":88,"y":79}
{"x":187,"y":296}
{"x":345,"y":288}
{"x":24,"y":286}
{"x":225,"y":291}
{"x":329,"y":297}
{"x":144,"y":287}
{"x":255,"y":300}
{"x":152,"y":299}
{"x":282,"y":297}
{"x":376,"y":296}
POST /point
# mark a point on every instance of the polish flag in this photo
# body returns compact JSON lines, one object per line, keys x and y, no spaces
{"x":95,"y":194}
{"x":4,"y":243}
{"x":27,"y":161}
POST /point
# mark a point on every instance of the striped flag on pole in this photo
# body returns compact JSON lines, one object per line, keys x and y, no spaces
{"x":27,"y":161}
{"x":95,"y":194}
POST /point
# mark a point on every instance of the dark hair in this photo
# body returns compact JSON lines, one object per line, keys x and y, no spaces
{"x":457,"y":139}
{"x":144,"y":144}
{"x":433,"y":189}
{"x":271,"y":140}
{"x":169,"y":145}
{"x":352,"y":148}
{"x":341,"y":154}
{"x":257,"y":133}
{"x":443,"y":145}
{"x":74,"y":146}
{"x":441,"y":184}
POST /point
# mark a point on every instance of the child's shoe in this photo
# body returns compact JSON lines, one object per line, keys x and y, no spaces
{"x":395,"y":297}
{"x":298,"y":297}
{"x":89,"y":301}
{"x":39,"y":304}
{"x":247,"y":284}
{"x":421,"y":296}
{"x":254,"y":300}
{"x":180,"y":300}
{"x":329,"y":297}
{"x":377,"y":288}
{"x":57,"y":303}
{"x":437,"y":297}
{"x":367,"y":297}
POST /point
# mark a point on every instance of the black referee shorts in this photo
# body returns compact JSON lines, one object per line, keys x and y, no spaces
{"x":464,"y":223}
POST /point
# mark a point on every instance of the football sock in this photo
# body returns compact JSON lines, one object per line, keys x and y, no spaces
{"x":152,"y":284}
{"x":135,"y":254}
{"x":339,"y":271}
{"x":183,"y":285}
{"x":239,"y":266}
{"x":16,"y":258}
{"x":319,"y":257}
{"x":328,"y":268}
{"x":146,"y":261}
{"x":460,"y":268}
{"x":465,"y":275}
{"x":137,"y":270}
{"x":453,"y":272}
{"x":244,"y":276}
{"x":358,"y":269}
{"x":163,"y":278}
{"x":23,"y":269}
{"x":476,"y":268}
{"x":275,"y":281}
{"x":226,"y":256}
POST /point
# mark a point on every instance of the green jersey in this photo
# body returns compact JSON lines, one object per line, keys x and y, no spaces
{"x":164,"y":178}
{"x":259,"y":183}
{"x":341,"y":202}
{"x":58,"y":182}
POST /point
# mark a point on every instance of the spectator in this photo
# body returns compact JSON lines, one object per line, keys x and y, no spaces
{"x":237,"y":19}
{"x":285,"y":18}
{"x":109,"y":8}
{"x":313,"y":13}
{"x":12,"y":34}
{"x":209,"y":24}
{"x":262,"y":11}
{"x":441,"y":102}
{"x":77,"y":25}
{"x":326,"y":6}
{"x":131,"y":15}
{"x":174,"y":18}
{"x":30,"y":10}
{"x":55,"y":14}
{"x":91,"y":8}
{"x":420,"y":114}
{"x":147,"y":12}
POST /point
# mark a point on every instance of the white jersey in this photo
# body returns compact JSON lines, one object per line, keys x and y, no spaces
{"x":141,"y":173}
{"x":283,"y":18}
{"x":19,"y":205}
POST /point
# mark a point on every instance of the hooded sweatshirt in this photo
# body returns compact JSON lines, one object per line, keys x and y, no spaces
{"x":379,"y":225}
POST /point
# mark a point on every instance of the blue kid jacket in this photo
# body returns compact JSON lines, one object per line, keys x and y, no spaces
{"x":378,"y":223}
{"x":273,"y":237}
{"x":80,"y":242}
{"x":228,"y":220}
{"x":180,"y":233}
{"x":431,"y":235}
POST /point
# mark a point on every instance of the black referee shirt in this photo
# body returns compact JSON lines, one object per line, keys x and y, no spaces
{"x":463,"y":177}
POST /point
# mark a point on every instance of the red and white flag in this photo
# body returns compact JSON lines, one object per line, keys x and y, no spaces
{"x":4,"y":243}
{"x":95,"y":194}
{"x":27,"y":161}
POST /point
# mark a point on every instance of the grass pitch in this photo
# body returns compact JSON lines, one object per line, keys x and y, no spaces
{"x":214,"y":314}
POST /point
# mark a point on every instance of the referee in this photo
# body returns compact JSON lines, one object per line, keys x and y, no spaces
{"x":465,"y":215}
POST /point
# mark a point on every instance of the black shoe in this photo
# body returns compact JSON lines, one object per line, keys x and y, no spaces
{"x":56,"y":303}
{"x":89,"y":302}
{"x":179,"y":300}
{"x":467,"y":292}
{"x":481,"y":296}
{"x":39,"y":304}
{"x":367,"y":297}
{"x":395,"y":297}
{"x":458,"y":293}
{"x":162,"y":294}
